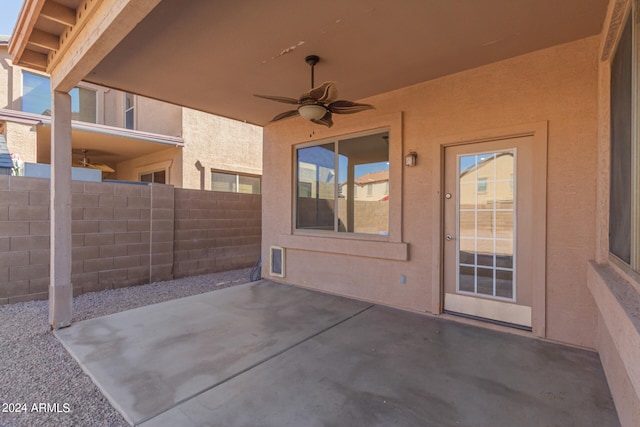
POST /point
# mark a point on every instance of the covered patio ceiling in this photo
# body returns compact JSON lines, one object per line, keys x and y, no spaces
{"x":214,"y":55}
{"x":106,"y":145}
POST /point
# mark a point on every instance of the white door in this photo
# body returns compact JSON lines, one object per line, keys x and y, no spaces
{"x":488,"y":230}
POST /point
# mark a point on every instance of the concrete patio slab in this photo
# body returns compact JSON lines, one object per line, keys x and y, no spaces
{"x":332,"y":362}
{"x":147,"y":360}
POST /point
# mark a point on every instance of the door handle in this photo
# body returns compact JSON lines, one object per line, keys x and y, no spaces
{"x":449,"y":237}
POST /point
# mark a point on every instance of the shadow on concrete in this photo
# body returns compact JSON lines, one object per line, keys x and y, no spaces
{"x":275,"y":355}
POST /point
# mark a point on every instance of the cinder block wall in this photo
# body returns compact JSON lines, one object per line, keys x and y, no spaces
{"x":123,"y":235}
{"x":215,"y":231}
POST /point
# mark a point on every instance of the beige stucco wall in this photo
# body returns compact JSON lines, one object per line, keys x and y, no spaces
{"x":5,"y":69}
{"x":22,"y":139}
{"x":170,"y":159}
{"x":10,"y":82}
{"x":213,"y":142}
{"x":615,"y":288}
{"x":150,"y":115}
{"x":158,"y":117}
{"x":558,"y":85}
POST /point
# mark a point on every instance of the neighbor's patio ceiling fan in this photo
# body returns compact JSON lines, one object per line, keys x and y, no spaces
{"x":85,"y":162}
{"x":319,"y":103}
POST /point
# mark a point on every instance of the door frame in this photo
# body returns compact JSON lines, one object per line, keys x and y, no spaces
{"x":539,"y":132}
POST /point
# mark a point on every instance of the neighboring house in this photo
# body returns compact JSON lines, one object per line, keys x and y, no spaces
{"x":553,"y":82}
{"x":130,"y":137}
{"x":372,"y":186}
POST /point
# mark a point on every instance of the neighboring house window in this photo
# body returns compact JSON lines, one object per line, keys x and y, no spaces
{"x":624,"y":202}
{"x":235,"y":183}
{"x":159,"y":177}
{"x":36,"y":98}
{"x":330,"y":180}
{"x":36,"y":94}
{"x":304,"y":189}
{"x":129,"y":111}
{"x":482,"y":185}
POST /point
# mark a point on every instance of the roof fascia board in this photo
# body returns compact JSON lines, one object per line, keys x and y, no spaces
{"x":24,"y":26}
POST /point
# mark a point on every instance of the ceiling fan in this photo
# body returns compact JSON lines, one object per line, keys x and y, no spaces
{"x":320,"y":103}
{"x":85,"y":162}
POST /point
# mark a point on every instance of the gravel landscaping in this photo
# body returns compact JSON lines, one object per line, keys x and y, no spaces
{"x":42,"y":385}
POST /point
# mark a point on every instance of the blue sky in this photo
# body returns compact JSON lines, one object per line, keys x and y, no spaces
{"x":9,"y":10}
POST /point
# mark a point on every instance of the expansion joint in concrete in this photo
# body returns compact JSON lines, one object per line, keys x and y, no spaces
{"x":249,"y":368}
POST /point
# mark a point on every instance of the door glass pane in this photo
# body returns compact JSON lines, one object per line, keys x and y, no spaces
{"x":486,"y":224}
{"x":467,"y":279}
{"x":504,"y":283}
{"x":485,"y":281}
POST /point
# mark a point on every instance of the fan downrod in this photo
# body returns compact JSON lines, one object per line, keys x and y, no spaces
{"x":312,"y":60}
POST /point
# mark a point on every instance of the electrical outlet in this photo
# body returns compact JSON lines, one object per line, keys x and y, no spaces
{"x":403,"y":279}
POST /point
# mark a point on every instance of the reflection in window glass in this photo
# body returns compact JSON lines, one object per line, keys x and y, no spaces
{"x":36,"y":99}
{"x":235,"y":183}
{"x":248,"y":184}
{"x":36,"y":94}
{"x":361,"y":202}
{"x":316,"y":177}
{"x":129,"y":111}
{"x":159,"y":177}
{"x":621,"y":186}
{"x":83,"y":104}
{"x":223,"y":182}
{"x":486,"y":224}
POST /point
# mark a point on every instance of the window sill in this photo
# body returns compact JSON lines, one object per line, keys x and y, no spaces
{"x":347,"y":246}
{"x":618,"y":302}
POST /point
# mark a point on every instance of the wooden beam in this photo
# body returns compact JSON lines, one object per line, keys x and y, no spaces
{"x":58,"y":13}
{"x":32,"y":58}
{"x":95,"y":36}
{"x":26,"y":21}
{"x":44,"y":40}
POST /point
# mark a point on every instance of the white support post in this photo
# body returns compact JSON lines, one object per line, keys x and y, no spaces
{"x":60,"y":288}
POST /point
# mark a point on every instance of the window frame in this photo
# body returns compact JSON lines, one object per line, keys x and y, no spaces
{"x":633,"y":267}
{"x":334,"y":234}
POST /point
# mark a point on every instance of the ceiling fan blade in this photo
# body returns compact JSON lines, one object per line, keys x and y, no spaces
{"x":103,"y":167}
{"x":285,"y":115}
{"x":326,"y":92}
{"x":100,"y":166}
{"x":278,"y":99}
{"x":348,"y":107}
{"x":325,"y":120}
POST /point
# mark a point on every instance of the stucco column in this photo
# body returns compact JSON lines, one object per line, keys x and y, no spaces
{"x":60,"y":289}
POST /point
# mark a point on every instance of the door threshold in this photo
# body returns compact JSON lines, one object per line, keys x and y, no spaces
{"x":492,"y":321}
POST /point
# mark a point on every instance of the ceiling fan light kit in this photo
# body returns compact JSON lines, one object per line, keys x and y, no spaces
{"x":319,"y":104}
{"x":312,"y":111}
